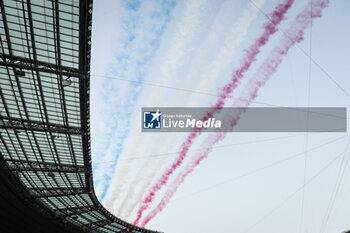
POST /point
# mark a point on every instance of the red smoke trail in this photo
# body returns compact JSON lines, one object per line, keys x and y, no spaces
{"x":265,"y":71}
{"x":250,"y":55}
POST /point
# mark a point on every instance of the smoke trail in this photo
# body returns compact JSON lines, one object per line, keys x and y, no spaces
{"x":144,"y":176}
{"x":250,"y":55}
{"x":126,"y":63}
{"x":265,"y":71}
{"x":184,"y":32}
{"x":226,"y":51}
{"x":121,"y":171}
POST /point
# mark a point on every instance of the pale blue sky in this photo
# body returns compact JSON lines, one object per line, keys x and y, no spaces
{"x":195,"y":45}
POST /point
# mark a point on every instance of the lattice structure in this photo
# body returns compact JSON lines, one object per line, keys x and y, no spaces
{"x":44,"y":106}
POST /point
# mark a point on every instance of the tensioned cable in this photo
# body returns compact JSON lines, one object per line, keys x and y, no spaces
{"x":282,"y":203}
{"x":307,"y":125}
{"x":196,"y":150}
{"x":197,"y":92}
{"x":304,"y":52}
{"x":252,"y":172}
{"x":315,"y":63}
{"x":336,"y":188}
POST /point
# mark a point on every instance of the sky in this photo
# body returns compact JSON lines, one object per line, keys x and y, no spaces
{"x":181,"y":54}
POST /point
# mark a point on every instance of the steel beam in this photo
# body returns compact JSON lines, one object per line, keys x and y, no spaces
{"x":15,"y":168}
{"x":4,"y":19}
{"x":95,"y":225}
{"x":75,"y":210}
{"x":58,"y":193}
{"x":24,"y":165}
{"x":15,"y":123}
{"x":28,"y":64}
{"x":47,"y":192}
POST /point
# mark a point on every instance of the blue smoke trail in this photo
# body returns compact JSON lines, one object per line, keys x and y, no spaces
{"x":126,"y":108}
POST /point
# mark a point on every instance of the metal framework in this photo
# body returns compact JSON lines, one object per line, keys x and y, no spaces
{"x":44,"y":108}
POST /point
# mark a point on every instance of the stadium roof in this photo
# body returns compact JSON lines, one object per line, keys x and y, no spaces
{"x":45,"y":161}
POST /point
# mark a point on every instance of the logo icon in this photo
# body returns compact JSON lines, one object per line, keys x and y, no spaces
{"x":152,"y":120}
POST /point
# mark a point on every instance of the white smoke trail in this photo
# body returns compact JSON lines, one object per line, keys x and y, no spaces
{"x":121,"y":171}
{"x":268,"y":67}
{"x":143,"y":180}
{"x":136,"y":45}
{"x":176,"y":51}
{"x":226,"y":51}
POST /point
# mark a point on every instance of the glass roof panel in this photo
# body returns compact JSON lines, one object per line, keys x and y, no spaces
{"x":42,"y":138}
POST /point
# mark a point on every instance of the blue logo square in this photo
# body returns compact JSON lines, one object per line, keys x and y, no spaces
{"x":152,"y":119}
